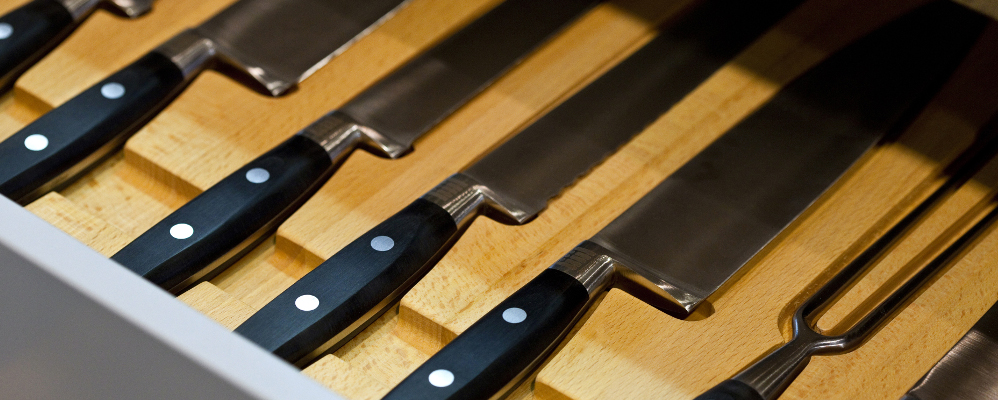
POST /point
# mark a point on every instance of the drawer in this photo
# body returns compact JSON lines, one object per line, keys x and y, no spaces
{"x":626,"y":348}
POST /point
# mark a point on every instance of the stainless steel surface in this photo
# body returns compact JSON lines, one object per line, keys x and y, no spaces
{"x":413,"y":99}
{"x":133,"y":8}
{"x":338,"y":133}
{"x":968,"y":371}
{"x":772,"y":374}
{"x":80,"y":9}
{"x":537,"y":163}
{"x":464,"y":198}
{"x":281,"y":42}
{"x":590,"y":265}
{"x":189,"y":51}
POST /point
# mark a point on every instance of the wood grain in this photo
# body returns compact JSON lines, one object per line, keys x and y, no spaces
{"x":626,"y":349}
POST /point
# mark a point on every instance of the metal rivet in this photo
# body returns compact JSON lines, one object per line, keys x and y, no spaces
{"x":36,"y":142}
{"x":5,"y":30}
{"x":441,"y":378}
{"x":258,"y":175}
{"x":306,"y":302}
{"x":181,"y":231}
{"x":514,"y":315}
{"x":112,"y":90}
{"x":382,"y":243}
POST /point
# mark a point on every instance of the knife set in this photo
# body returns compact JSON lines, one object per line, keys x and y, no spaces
{"x":686,"y":244}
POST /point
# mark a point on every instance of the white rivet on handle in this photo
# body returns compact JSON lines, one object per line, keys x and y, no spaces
{"x":112,"y":90}
{"x":5,"y":30}
{"x":382,"y":243}
{"x":258,"y":175}
{"x":306,"y":302}
{"x":514,"y":315}
{"x":181,"y":231}
{"x":441,"y":378}
{"x":36,"y":142}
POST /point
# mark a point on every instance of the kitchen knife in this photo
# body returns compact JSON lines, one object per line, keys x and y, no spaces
{"x":29,"y":32}
{"x":229,"y":218}
{"x":512,"y":183}
{"x":968,"y":371}
{"x":277,"y":42}
{"x":698,"y":227}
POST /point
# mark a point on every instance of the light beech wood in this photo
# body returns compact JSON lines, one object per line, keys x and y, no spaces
{"x":626,"y":349}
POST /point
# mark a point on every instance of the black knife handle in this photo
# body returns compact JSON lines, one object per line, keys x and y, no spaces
{"x":220,"y":225}
{"x":70,"y":138}
{"x":731,"y":389}
{"x":502,"y":347}
{"x":28,"y":33}
{"x":348,"y":291}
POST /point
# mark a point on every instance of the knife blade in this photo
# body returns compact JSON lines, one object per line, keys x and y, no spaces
{"x":349,"y":290}
{"x":278,"y":43}
{"x":968,"y":370}
{"x":701,"y":224}
{"x":29,"y":32}
{"x":233,"y":215}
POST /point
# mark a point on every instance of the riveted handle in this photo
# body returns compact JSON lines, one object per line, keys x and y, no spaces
{"x":347,"y":292}
{"x":28,"y":33}
{"x":67,"y":140}
{"x":504,"y":346}
{"x":220,"y":225}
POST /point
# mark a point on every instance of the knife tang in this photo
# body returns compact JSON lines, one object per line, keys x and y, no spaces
{"x":67,"y":140}
{"x":348,"y":291}
{"x":28,"y":33}
{"x":223,"y":223}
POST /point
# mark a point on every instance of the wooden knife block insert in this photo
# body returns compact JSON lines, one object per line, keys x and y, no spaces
{"x":627,"y":349}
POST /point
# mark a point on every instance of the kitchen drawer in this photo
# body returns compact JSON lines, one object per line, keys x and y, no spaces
{"x":625,"y":349}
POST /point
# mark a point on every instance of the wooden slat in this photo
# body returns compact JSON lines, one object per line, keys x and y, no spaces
{"x":626,"y":349}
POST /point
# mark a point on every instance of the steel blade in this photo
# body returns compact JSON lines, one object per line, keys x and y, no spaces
{"x":413,"y":99}
{"x":551,"y":153}
{"x":282,"y":42}
{"x":695,"y":230}
{"x":968,"y":370}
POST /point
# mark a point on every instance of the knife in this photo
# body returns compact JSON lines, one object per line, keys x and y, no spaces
{"x":968,"y":370}
{"x":277,"y":42}
{"x":29,"y":32}
{"x":698,"y":227}
{"x":232,"y":216}
{"x":513,"y":183}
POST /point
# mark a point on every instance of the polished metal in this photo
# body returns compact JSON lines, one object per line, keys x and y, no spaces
{"x":772,"y":374}
{"x":281,"y":42}
{"x":464,"y":198}
{"x":968,"y":370}
{"x":590,"y":265}
{"x":80,"y":9}
{"x":189,"y":51}
{"x":338,"y":133}
{"x":416,"y":97}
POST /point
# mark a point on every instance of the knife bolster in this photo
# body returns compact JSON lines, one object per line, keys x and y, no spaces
{"x":79,"y":9}
{"x":339,"y":134}
{"x":190,"y":52}
{"x":464,"y":198}
{"x":593,"y":269}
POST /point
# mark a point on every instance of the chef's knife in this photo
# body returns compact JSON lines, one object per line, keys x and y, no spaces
{"x":29,"y":32}
{"x":513,"y":183}
{"x":277,"y":42}
{"x":968,"y":371}
{"x":233,"y":215}
{"x":698,"y":227}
